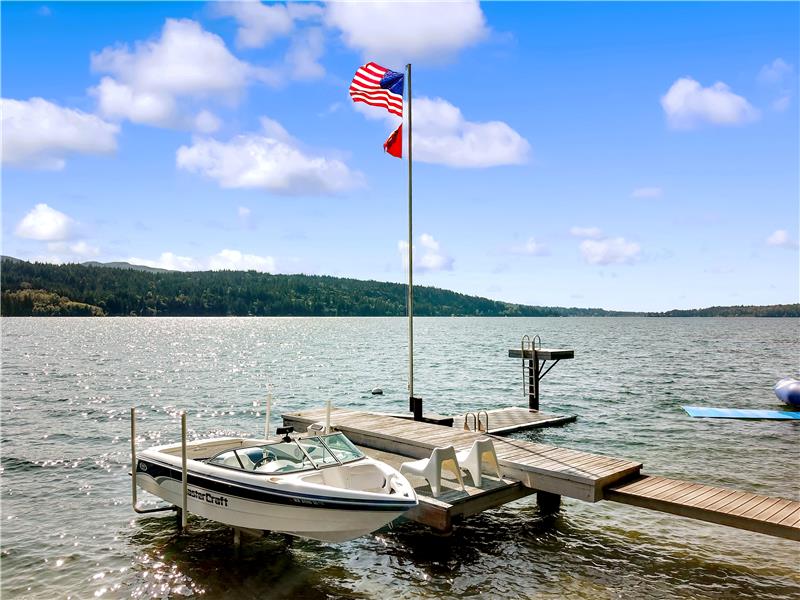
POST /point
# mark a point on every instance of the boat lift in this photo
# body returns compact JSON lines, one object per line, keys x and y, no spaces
{"x":182,"y":510}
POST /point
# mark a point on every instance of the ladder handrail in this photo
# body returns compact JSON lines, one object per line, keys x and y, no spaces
{"x":486,"y":430}
{"x":474,"y":420}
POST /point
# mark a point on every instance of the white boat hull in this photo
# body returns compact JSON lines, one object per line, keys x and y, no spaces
{"x":297,"y":505}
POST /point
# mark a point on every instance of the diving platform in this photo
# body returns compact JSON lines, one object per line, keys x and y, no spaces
{"x":550,"y":472}
{"x":502,"y":421}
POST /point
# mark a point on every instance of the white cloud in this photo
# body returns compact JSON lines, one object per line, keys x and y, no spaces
{"x":433,"y":31}
{"x":531,"y":248}
{"x":76,"y":249}
{"x":45,"y":224}
{"x":687,"y":104}
{"x":779,"y":75}
{"x":443,"y":136}
{"x":775,"y":72}
{"x":433,"y":258}
{"x":40,"y":134}
{"x":647,"y":192}
{"x":246,"y":217}
{"x":781,"y":239}
{"x":119,"y":101}
{"x":333,"y":108}
{"x":272,"y":161}
{"x":259,"y":23}
{"x":206,"y":122}
{"x":170,"y":261}
{"x":145,"y":84}
{"x":227,"y":259}
{"x":234,"y":260}
{"x":782,"y":102}
{"x":609,"y":251}
{"x":304,"y":54}
{"x":590,"y":233}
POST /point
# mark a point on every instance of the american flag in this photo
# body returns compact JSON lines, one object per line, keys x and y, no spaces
{"x":378,"y":86}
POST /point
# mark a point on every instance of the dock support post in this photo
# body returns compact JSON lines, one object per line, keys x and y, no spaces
{"x":549,"y":503}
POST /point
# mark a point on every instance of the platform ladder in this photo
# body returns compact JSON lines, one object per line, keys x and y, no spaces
{"x":534,"y":360}
{"x":477,"y":424}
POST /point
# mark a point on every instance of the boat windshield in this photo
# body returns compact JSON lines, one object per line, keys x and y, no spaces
{"x":342,"y":448}
{"x":288,"y":457}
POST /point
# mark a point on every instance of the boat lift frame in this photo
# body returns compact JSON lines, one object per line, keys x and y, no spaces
{"x":182,"y":510}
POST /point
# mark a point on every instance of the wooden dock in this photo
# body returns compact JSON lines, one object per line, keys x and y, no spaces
{"x":552,"y":472}
{"x":540,"y":467}
{"x":508,"y":420}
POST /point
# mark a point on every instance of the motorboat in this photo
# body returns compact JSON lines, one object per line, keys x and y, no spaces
{"x":318,"y":486}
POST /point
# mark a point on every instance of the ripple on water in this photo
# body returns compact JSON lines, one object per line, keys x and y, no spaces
{"x":68,"y":530}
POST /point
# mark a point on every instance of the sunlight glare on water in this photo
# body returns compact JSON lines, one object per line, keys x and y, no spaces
{"x":67,"y":386}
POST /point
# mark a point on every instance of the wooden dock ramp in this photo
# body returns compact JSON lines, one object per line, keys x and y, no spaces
{"x":778,"y":517}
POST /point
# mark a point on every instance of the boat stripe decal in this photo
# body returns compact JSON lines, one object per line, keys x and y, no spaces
{"x":242,"y":490}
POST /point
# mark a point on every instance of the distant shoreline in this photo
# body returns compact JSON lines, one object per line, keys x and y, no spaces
{"x":124,"y":290}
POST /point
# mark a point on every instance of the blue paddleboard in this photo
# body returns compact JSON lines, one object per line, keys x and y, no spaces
{"x":740,"y":413}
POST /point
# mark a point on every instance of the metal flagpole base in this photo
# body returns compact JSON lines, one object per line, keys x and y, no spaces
{"x":415,"y":406}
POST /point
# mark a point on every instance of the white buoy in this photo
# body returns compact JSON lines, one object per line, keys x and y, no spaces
{"x":376,"y":391}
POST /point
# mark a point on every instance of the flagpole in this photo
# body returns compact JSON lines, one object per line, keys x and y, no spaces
{"x":413,"y":404}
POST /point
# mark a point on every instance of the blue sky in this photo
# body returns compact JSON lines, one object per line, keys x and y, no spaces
{"x":627,"y":156}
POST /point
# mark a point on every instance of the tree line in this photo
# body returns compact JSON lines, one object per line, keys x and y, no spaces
{"x":75,"y":289}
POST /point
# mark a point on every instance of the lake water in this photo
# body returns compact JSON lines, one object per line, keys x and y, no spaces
{"x":67,"y":385}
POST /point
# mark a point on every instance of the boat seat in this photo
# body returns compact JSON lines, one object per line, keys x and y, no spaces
{"x":367,"y":478}
{"x":431,"y":468}
{"x":336,"y":477}
{"x":278,"y":466}
{"x":472,"y":460}
{"x":246,"y":462}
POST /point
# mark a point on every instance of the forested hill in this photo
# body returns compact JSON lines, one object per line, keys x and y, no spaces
{"x":122,"y":290}
{"x":72,"y":289}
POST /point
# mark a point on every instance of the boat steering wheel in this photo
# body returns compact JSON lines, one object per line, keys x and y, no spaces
{"x":269,"y":457}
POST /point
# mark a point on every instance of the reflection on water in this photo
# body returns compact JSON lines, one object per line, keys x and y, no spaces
{"x":68,"y":530}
